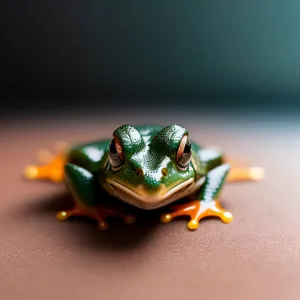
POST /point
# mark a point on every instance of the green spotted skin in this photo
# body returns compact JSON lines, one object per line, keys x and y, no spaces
{"x":149,"y":161}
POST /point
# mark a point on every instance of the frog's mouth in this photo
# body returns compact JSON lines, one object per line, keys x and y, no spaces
{"x":144,"y":199}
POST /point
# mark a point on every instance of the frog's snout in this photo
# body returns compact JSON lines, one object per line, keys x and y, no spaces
{"x":140,"y":172}
{"x":151,"y":180}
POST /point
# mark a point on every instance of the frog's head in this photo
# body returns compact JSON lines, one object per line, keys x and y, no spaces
{"x":150,"y":173}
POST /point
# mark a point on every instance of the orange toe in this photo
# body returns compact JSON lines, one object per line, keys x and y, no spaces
{"x":197,"y":210}
{"x":99,"y":214}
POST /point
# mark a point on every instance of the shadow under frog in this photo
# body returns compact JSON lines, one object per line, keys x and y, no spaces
{"x":117,"y":237}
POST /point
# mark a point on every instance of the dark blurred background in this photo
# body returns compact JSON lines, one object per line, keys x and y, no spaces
{"x":233,"y":55}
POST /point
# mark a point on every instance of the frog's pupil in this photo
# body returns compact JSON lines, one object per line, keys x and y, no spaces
{"x":112,"y":147}
{"x":187,"y":147}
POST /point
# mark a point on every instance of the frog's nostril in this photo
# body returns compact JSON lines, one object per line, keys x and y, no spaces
{"x":139,"y":172}
{"x":164,"y":171}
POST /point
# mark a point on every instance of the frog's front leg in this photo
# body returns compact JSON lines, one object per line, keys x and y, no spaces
{"x":82,"y":185}
{"x":207,"y":203}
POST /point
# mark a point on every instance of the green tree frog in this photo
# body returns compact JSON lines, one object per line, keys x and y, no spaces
{"x":148,"y":167}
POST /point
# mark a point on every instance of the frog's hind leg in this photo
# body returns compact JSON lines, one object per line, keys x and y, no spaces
{"x":242,"y":171}
{"x":245,"y":174}
{"x":51,"y":165}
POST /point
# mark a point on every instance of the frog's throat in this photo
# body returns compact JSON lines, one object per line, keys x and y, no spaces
{"x":141,"y":198}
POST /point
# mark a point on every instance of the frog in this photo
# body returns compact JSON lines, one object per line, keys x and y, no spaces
{"x":148,"y":167}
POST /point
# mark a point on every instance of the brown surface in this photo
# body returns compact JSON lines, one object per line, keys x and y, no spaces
{"x":255,"y":256}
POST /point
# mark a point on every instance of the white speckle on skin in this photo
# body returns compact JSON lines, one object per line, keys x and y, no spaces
{"x":94,"y":154}
{"x":146,"y":138}
{"x":208,"y":154}
{"x":146,"y":134}
{"x":145,"y":131}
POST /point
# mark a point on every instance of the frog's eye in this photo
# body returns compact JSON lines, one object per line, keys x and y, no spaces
{"x":115,"y":154}
{"x":184,"y":153}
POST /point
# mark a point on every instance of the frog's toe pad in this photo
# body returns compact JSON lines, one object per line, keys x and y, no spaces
{"x":197,"y":210}
{"x":193,"y":224}
{"x":165,"y":218}
{"x":129,"y":219}
{"x":30,"y":172}
{"x":103,"y":225}
{"x":226,"y":217}
{"x":257,"y":173}
{"x":66,"y":214}
{"x":62,"y":215}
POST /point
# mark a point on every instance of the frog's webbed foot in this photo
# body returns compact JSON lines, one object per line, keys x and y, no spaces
{"x":51,"y":167}
{"x":198,"y":210}
{"x":99,"y":214}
